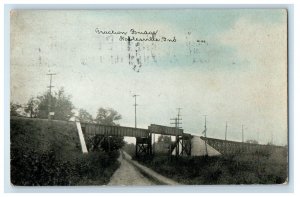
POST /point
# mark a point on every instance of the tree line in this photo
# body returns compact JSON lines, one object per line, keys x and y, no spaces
{"x":63,"y":108}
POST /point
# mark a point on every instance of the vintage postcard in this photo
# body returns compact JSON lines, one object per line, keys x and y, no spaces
{"x":148,"y":97}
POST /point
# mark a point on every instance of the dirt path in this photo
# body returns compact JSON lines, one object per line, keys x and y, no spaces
{"x":127,"y":174}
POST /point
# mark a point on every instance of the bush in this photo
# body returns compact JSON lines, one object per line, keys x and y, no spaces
{"x":30,"y":168}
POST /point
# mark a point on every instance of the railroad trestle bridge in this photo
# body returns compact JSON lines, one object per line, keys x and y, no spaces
{"x":96,"y":133}
{"x":233,"y":147}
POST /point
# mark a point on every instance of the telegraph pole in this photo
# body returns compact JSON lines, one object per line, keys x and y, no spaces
{"x":135,"y":109}
{"x":226,"y":136}
{"x":177,"y":119}
{"x":175,"y":122}
{"x":177,"y":125}
{"x":136,"y":139}
{"x":205,"y":125}
{"x":242,"y":133}
{"x":226,"y":131}
{"x":205,"y":129}
{"x":49,"y":99}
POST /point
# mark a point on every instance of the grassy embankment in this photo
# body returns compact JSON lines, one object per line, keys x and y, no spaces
{"x":44,"y":153}
{"x":255,"y":167}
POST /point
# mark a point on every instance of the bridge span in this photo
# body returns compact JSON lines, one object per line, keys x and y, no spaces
{"x":234,"y":147}
{"x":182,"y":144}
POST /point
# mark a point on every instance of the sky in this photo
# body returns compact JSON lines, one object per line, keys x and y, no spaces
{"x":230,"y":65}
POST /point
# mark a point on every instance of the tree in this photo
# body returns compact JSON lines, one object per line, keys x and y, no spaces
{"x":85,"y":116}
{"x":61,"y":105}
{"x":112,"y":143}
{"x":107,"y":116}
{"x":164,"y":138}
{"x":32,"y":107}
{"x":43,"y":105}
{"x":14,"y":107}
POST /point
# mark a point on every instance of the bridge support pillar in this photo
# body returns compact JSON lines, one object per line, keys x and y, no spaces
{"x":186,"y":145}
{"x":177,"y":145}
{"x":182,"y":146}
{"x":143,"y":146}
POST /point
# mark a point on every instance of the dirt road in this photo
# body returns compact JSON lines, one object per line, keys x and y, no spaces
{"x":127,"y":174}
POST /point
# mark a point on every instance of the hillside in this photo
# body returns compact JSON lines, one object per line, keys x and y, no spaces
{"x":42,"y":136}
{"x":49,"y":153}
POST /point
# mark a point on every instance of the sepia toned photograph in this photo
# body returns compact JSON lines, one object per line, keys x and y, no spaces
{"x":148,"y":97}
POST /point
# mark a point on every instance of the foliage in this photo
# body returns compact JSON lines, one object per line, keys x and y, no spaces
{"x":164,"y":138}
{"x":254,"y":168}
{"x":107,"y":116}
{"x":106,"y":143}
{"x":112,"y":143}
{"x":32,"y":107}
{"x":30,"y":168}
{"x":14,"y":109}
{"x":85,"y":116}
{"x":61,"y":105}
{"x":48,"y":153}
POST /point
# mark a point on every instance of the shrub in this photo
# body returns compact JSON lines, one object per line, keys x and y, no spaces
{"x":30,"y":168}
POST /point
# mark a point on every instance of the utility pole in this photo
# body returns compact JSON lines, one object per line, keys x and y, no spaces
{"x":49,"y":99}
{"x":175,"y":122}
{"x":226,"y":131}
{"x":205,"y":129}
{"x":226,"y":128}
{"x":136,"y":139}
{"x":205,"y":125}
{"x":177,"y":119}
{"x":177,"y":125}
{"x":242,"y":133}
{"x":135,"y":109}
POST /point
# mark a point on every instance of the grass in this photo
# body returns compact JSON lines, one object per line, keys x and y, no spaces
{"x":44,"y":153}
{"x":257,"y":167}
